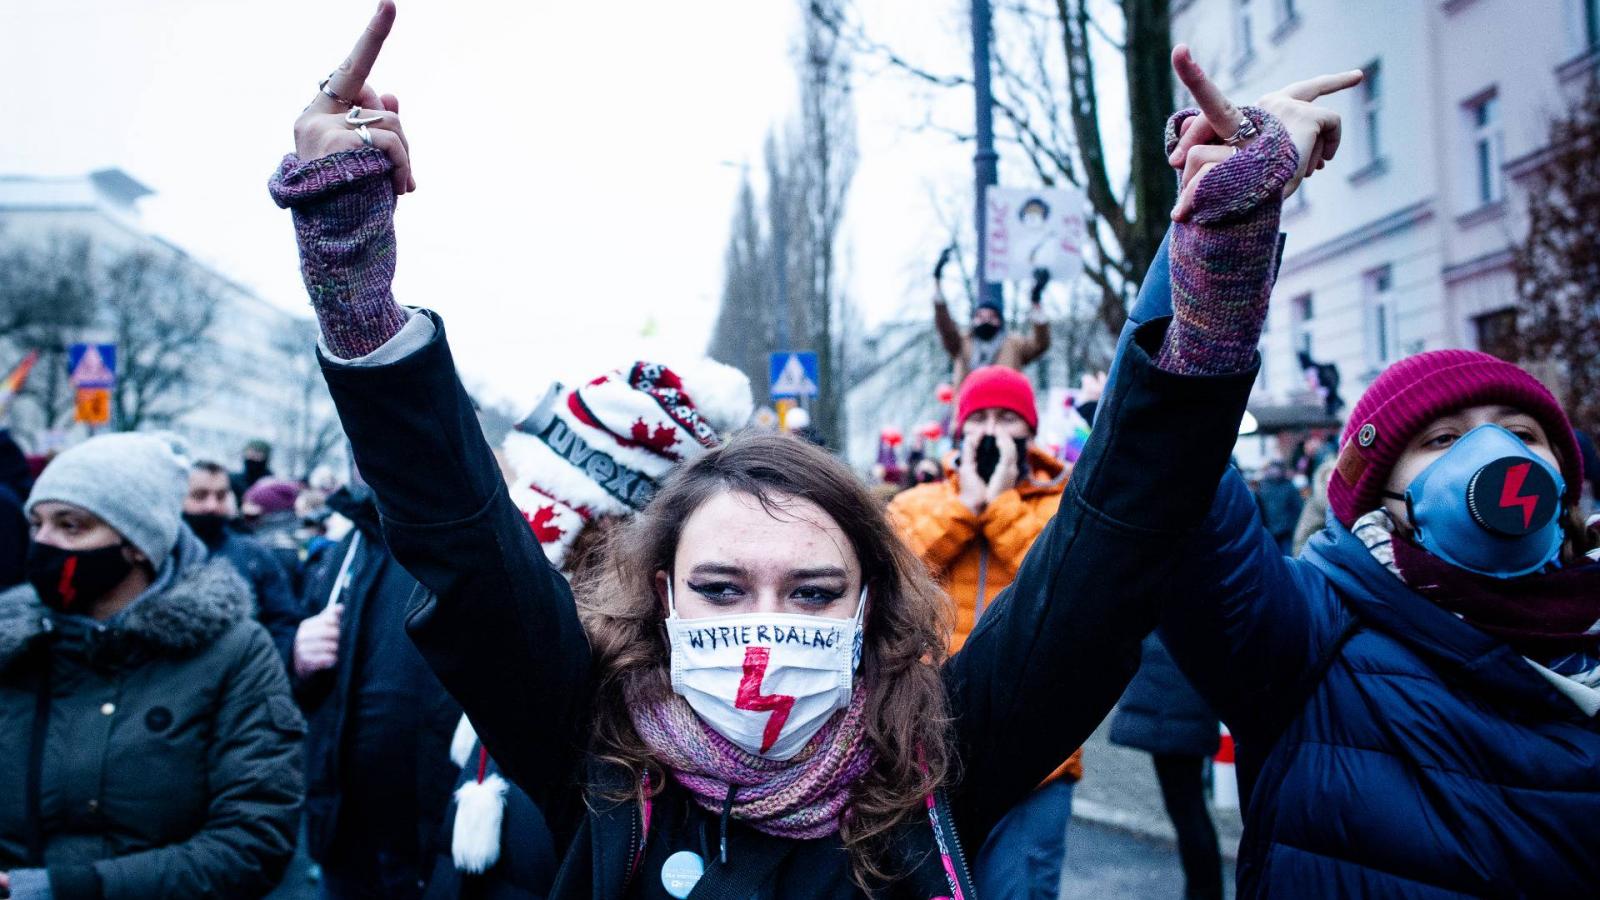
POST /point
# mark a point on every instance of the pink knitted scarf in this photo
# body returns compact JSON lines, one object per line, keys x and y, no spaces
{"x":800,"y":798}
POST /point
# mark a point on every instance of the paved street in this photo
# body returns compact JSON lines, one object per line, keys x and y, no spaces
{"x":1119,"y":788}
{"x":1105,"y":863}
{"x":1121,"y":843}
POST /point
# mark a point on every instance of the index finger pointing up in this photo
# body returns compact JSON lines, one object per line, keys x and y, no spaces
{"x":1323,"y":85}
{"x":352,"y":74}
{"x":1218,"y":109}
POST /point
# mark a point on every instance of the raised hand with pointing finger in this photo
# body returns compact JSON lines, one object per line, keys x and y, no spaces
{"x":1218,"y":129}
{"x":347,"y":113}
{"x":1235,"y":164}
{"x":351,"y":162}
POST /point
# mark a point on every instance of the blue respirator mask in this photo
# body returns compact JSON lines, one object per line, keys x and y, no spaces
{"x":1489,"y":505}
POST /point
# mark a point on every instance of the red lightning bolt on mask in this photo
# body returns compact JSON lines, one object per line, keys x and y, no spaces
{"x":751,"y":699}
{"x":66,"y":589}
{"x":1511,"y":493}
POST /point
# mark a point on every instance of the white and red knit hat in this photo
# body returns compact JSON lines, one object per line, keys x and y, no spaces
{"x":601,"y":448}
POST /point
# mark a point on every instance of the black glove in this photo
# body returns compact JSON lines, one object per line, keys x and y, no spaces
{"x":1041,"y":277}
{"x":944,"y":260}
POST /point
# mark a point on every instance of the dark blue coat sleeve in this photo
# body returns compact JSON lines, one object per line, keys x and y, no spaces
{"x":1244,"y":622}
{"x":277,"y":608}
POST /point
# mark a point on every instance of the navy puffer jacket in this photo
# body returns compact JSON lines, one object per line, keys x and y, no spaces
{"x":1395,"y":751}
{"x":1428,"y":759}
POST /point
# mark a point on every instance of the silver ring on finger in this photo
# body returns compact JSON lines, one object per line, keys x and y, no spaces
{"x":365,"y":135}
{"x":328,"y":92}
{"x":1246,"y":131}
{"x":354,"y":117}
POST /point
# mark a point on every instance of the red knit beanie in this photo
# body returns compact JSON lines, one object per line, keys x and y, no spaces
{"x":1415,"y":391}
{"x":997,"y":386}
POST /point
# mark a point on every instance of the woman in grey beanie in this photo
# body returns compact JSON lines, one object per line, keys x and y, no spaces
{"x":145,"y":718}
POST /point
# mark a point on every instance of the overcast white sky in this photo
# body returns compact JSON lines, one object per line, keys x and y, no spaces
{"x":572,"y":158}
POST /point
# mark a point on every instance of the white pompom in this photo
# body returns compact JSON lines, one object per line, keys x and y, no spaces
{"x":462,"y":741}
{"x":480,"y":808}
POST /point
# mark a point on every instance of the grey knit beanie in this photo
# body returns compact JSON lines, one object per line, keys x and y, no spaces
{"x":133,"y":482}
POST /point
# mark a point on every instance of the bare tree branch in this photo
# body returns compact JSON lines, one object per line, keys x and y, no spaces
{"x":1556,"y":327}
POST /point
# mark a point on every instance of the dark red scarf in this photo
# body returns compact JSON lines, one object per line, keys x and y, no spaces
{"x":1542,"y":616}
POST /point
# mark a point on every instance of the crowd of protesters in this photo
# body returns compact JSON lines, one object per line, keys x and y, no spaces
{"x":642,"y":649}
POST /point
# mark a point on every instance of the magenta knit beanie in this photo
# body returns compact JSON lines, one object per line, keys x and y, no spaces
{"x":272,"y":494}
{"x":1415,"y":391}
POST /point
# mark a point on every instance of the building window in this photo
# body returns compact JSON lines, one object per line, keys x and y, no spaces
{"x":1497,"y":333}
{"x":1242,"y":30}
{"x":1371,"y":110}
{"x":1301,"y":311}
{"x":1483,"y":118}
{"x":1286,"y":18}
{"x":1591,"y":23}
{"x":1382,"y":329}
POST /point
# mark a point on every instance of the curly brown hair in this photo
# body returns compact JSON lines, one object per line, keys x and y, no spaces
{"x":906,"y":631}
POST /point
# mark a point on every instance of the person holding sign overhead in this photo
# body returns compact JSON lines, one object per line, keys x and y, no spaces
{"x":854,"y":760}
{"x":986,"y":342}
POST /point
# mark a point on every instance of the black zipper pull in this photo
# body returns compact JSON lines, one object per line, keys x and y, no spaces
{"x":727,"y":811}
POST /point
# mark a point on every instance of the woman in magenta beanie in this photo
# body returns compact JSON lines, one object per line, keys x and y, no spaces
{"x":1414,"y":698}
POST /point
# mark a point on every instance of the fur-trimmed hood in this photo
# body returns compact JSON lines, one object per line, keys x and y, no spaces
{"x":205,"y":599}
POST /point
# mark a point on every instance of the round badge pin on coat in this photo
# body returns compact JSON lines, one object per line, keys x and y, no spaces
{"x":681,"y":872}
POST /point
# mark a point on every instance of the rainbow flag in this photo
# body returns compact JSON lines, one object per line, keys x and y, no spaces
{"x":1077,"y":435}
{"x":13,"y":382}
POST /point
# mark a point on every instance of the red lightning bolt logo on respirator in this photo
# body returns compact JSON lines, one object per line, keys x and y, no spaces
{"x":751,"y":699}
{"x":1510,"y":495}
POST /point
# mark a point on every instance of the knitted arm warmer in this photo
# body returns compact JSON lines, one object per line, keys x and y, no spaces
{"x":343,"y":208}
{"x":1224,"y":257}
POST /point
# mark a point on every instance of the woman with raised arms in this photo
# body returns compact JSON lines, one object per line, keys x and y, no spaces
{"x":750,"y":695}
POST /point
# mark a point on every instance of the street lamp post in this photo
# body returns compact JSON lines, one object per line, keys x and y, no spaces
{"x":984,"y":160}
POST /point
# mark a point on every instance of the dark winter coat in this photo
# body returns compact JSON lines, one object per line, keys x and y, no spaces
{"x":378,"y":754}
{"x":1280,"y":502}
{"x":169,"y":760}
{"x":1428,"y":760}
{"x":15,"y":480}
{"x":278,"y":533}
{"x":1161,"y":712}
{"x":500,"y":627}
{"x":277,"y":607}
{"x":1393,"y":749}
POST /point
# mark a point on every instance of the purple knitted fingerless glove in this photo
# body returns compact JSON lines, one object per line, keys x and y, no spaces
{"x":343,"y":208}
{"x":1224,"y":258}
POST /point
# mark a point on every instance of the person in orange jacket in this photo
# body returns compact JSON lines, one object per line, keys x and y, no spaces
{"x":972,"y":529}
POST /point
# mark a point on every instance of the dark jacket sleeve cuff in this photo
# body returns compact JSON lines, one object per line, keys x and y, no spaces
{"x":74,"y":883}
{"x":1180,"y":429}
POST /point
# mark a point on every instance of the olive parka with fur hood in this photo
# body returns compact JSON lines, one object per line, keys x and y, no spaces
{"x":166,"y":761}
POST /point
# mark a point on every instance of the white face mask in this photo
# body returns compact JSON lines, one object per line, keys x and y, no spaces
{"x":765,"y":681}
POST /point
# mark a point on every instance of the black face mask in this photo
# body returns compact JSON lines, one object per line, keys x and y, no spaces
{"x":71,"y":580}
{"x":927,"y":477}
{"x":207,"y":526}
{"x":255,"y":470}
{"x":988,"y":456}
{"x":985,"y":330}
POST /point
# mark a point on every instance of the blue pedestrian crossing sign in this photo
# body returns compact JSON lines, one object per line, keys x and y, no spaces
{"x":794,"y":374}
{"x":92,"y":365}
